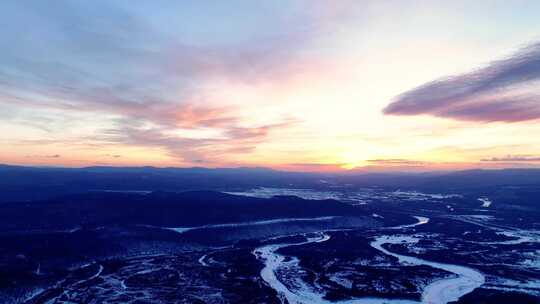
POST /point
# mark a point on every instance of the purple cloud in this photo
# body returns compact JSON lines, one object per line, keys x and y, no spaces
{"x":506,"y":90}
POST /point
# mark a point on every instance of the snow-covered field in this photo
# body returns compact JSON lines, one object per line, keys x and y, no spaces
{"x":356,"y":197}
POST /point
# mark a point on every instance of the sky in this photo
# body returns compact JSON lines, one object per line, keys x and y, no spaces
{"x":290,"y":85}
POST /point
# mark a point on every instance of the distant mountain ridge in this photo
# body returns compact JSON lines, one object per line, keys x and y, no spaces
{"x":19,"y":183}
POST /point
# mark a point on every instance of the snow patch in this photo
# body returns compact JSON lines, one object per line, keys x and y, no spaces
{"x":486,"y":202}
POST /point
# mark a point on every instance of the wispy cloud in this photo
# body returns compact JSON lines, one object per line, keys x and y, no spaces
{"x":108,"y":59}
{"x":233,"y":141}
{"x":506,"y":90}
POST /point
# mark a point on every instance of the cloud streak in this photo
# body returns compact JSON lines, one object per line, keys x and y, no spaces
{"x":506,"y":90}
{"x":513,"y":158}
{"x":396,"y":162}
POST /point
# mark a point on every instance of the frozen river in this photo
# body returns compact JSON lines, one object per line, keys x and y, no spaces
{"x":438,"y":292}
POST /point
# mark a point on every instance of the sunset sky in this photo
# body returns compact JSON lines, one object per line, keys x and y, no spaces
{"x":293,"y":85}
